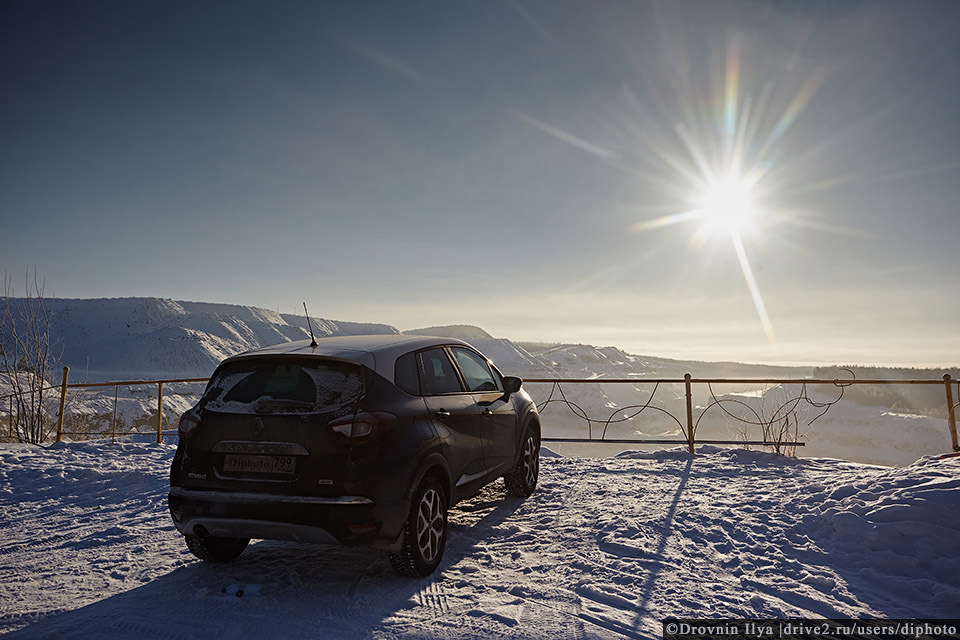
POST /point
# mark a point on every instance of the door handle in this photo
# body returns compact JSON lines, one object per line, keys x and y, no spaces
{"x":442,"y":414}
{"x":487,"y":412}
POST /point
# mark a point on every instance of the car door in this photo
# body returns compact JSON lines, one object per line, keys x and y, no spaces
{"x":499,"y":424}
{"x":457,"y":418}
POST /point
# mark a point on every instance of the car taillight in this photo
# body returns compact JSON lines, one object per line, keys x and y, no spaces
{"x":189,"y":422}
{"x":362,"y":428}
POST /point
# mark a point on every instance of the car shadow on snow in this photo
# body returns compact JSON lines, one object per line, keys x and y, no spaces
{"x":275,"y":589}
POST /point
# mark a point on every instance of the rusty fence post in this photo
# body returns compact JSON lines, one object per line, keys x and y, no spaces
{"x":951,"y":411}
{"x":159,"y":412}
{"x":113,"y":429}
{"x":63,"y":403}
{"x":690,"y":440}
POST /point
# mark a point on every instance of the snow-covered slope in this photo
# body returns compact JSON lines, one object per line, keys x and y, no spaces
{"x":588,"y":361}
{"x":510,"y":358}
{"x":459,"y":331}
{"x":131,"y":338}
{"x":605,"y":548}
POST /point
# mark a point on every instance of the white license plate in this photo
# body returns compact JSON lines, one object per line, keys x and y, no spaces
{"x":238,"y":463}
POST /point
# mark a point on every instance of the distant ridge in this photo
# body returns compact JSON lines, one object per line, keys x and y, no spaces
{"x":139,"y":338}
{"x":458,"y":331}
{"x":107,"y":338}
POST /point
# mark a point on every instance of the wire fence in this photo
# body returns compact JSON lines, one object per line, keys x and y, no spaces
{"x":778,"y":423}
{"x":669,"y":401}
{"x":83,"y":411}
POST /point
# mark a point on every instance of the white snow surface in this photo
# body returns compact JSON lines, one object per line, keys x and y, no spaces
{"x":605,"y":548}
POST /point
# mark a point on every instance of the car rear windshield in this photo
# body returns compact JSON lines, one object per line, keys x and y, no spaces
{"x":285,"y":386}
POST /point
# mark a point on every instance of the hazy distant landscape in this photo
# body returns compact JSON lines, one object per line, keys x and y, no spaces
{"x":112,"y":338}
{"x":151,"y":338}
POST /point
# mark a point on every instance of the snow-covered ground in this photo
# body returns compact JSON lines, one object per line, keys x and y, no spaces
{"x":605,"y":548}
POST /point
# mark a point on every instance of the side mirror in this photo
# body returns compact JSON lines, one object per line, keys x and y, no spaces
{"x":511,"y":384}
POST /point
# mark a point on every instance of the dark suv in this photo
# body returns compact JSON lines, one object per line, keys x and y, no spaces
{"x":362,"y":440}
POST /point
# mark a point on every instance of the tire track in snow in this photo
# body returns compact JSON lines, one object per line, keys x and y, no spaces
{"x":432,"y":595}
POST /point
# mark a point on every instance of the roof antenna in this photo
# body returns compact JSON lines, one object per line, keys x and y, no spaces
{"x":313,"y":339}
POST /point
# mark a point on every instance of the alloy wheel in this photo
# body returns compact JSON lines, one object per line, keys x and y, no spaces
{"x":531,"y":461}
{"x":430,"y":525}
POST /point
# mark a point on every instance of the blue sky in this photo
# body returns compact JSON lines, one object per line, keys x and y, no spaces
{"x":516,"y":165}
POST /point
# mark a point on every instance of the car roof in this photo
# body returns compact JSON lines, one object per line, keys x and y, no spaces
{"x":378,"y":352}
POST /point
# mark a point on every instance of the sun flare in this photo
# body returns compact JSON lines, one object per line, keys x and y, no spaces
{"x":724,"y":155}
{"x":727,"y":207}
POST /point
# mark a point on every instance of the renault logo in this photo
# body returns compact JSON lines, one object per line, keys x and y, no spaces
{"x":257,"y":428}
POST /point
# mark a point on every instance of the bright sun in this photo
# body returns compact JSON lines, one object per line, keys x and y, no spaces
{"x":724,"y":159}
{"x":726,"y":206}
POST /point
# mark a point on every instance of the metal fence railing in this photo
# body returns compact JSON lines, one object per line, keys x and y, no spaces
{"x":688,"y":418}
{"x":64,"y":389}
{"x":770,"y":424}
{"x":117,"y":384}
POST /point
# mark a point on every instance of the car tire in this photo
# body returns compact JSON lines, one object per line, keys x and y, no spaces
{"x":216,"y":549}
{"x":425,"y":533}
{"x":522,"y":480}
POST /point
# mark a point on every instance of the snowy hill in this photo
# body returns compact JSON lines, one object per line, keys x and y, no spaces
{"x":460,"y":331}
{"x":588,"y":361}
{"x":605,"y":548}
{"x":136,"y":338}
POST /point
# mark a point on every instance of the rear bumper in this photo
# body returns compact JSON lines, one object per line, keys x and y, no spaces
{"x":349,"y":520}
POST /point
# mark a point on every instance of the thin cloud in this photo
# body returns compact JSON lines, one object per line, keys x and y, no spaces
{"x":378,"y":57}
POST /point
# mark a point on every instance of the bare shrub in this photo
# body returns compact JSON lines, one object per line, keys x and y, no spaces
{"x":25,"y":359}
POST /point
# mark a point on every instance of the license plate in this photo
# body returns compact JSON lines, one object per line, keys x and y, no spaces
{"x":259,"y":464}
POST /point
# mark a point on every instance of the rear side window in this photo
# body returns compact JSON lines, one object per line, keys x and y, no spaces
{"x":437,"y":373}
{"x":259,"y":386}
{"x":405,"y":374}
